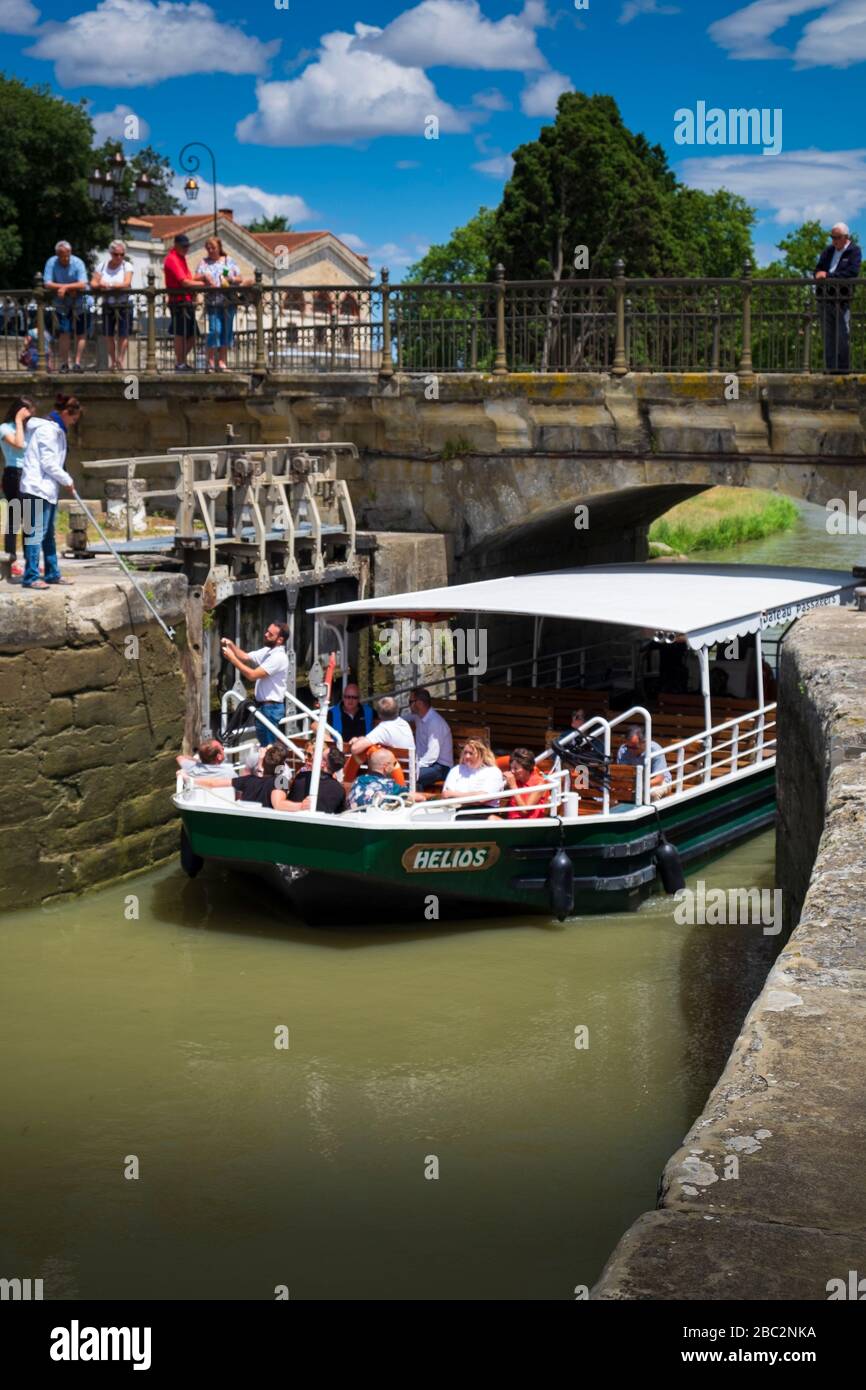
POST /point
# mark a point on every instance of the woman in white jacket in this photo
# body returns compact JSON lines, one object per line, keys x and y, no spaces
{"x":42,"y":476}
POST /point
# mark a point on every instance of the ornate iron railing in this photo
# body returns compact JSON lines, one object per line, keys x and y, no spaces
{"x":616,"y":325}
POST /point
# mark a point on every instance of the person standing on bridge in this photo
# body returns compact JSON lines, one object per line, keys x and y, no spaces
{"x":838,"y":266}
{"x":180,"y":281}
{"x":269,"y":668}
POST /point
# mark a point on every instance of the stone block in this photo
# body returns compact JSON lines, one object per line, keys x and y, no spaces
{"x":58,"y":715}
{"x":73,"y":669}
{"x":69,"y":753}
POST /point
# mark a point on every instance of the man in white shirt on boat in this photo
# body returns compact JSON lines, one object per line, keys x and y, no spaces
{"x":268,"y":666}
{"x":633,"y":751}
{"x":434,"y":750}
{"x":391,"y":732}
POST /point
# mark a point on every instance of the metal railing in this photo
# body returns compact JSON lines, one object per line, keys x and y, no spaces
{"x":620,"y":324}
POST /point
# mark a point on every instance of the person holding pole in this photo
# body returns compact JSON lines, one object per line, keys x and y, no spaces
{"x":42,"y":476}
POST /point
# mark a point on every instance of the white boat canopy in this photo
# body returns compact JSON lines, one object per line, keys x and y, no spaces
{"x":704,"y":604}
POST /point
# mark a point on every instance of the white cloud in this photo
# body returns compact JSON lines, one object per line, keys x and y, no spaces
{"x":796,"y":186}
{"x":17,"y":17}
{"x":388,"y":254}
{"x":541,"y":96}
{"x":112,"y":125}
{"x":632,"y":8}
{"x":246,"y":202}
{"x":135,"y":43}
{"x":836,"y":38}
{"x":491,"y":100}
{"x":455,"y":34}
{"x":345,"y":96}
{"x":408,"y":164}
{"x":498,"y":166}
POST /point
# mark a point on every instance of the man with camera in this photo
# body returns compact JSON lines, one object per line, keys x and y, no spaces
{"x":269,"y":668}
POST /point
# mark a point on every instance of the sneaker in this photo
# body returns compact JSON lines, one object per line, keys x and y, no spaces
{"x":182,"y":367}
{"x":65,"y":367}
{"x":78,"y":367}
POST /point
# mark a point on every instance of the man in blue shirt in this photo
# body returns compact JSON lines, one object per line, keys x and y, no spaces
{"x":633,"y":754}
{"x":66,"y":276}
{"x":838,"y":266}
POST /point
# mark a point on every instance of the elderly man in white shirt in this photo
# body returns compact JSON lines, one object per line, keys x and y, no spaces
{"x":42,"y":476}
{"x":434,"y":749}
{"x":391,"y":732}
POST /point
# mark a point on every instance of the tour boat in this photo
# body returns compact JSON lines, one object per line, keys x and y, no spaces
{"x":674,"y":649}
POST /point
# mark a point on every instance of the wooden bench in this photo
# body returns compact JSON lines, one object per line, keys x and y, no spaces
{"x":510,"y":725}
{"x":562,"y":701}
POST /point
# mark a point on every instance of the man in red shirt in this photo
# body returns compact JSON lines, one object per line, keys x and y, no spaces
{"x":181,"y":306}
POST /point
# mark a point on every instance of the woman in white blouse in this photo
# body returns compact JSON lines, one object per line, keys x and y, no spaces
{"x":220,"y":272}
{"x":114,"y":277}
{"x":476,"y":772}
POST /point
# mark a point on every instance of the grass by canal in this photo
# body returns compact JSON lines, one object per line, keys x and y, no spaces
{"x":722,"y":517}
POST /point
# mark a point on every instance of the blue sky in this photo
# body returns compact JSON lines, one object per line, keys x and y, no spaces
{"x":320,"y":112}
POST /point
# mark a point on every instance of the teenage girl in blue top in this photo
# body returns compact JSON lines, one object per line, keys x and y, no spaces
{"x":12,"y":444}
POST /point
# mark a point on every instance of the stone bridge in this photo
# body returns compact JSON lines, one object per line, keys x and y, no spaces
{"x":499,"y":464}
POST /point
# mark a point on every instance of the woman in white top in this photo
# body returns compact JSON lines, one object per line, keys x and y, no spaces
{"x":476,"y":772}
{"x":219,"y":271}
{"x":114,"y":275}
{"x":42,"y":476}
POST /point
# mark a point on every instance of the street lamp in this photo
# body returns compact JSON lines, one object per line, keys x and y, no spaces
{"x":105,"y":191}
{"x":189,"y":164}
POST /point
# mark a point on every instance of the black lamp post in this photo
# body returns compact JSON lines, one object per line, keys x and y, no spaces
{"x":189,"y":164}
{"x":105,"y":190}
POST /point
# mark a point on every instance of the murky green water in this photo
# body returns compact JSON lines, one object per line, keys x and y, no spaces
{"x":306,"y":1167}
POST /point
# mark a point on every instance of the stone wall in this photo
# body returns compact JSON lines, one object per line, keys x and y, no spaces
{"x":790,"y":1105}
{"x":89,"y":726}
{"x":498,"y":463}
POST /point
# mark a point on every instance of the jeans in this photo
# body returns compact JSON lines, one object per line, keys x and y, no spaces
{"x":38,"y":527}
{"x":221,"y":327}
{"x":11,"y":491}
{"x":434,"y":772}
{"x":836,"y":323}
{"x":274,"y":710}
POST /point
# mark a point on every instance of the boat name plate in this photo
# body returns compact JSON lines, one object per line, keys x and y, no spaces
{"x":436,"y":857}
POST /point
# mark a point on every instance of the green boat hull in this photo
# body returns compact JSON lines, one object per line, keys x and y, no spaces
{"x":337,"y":869}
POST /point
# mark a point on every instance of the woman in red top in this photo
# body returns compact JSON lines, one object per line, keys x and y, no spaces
{"x":533,"y":799}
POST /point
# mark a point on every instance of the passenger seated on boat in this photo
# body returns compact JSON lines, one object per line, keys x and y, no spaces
{"x":208,"y":761}
{"x":372,"y":787}
{"x":578,"y":717}
{"x":255,"y":786}
{"x":632,"y":752}
{"x":532,"y":799}
{"x":433,"y":743}
{"x":331,"y":797}
{"x":390,"y":732}
{"x":475,"y":772}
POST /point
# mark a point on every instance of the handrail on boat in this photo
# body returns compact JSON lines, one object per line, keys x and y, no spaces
{"x":305,"y":712}
{"x":554,"y":780}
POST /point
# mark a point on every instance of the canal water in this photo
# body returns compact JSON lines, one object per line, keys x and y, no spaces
{"x":138,"y":1030}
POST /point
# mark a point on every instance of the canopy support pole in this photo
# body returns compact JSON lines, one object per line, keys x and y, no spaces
{"x":759,"y":665}
{"x":475,"y":664}
{"x":705,"y":691}
{"x":536,"y":642}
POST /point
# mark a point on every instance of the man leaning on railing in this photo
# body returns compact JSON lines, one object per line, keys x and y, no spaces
{"x":838,"y":263}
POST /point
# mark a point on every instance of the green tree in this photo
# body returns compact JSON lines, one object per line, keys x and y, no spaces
{"x":587,"y":181}
{"x":714,"y":230}
{"x":45,"y":158}
{"x":800,"y":251}
{"x":465,"y":256}
{"x":270,"y":224}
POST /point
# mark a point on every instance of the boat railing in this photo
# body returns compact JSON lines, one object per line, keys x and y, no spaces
{"x":752,"y":745}
{"x":303,"y":715}
{"x":449,"y":808}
